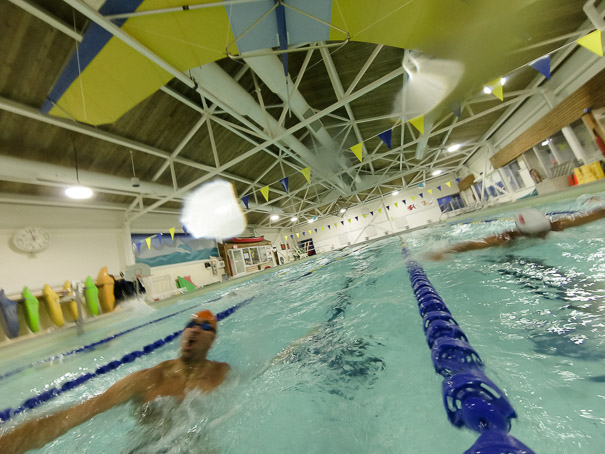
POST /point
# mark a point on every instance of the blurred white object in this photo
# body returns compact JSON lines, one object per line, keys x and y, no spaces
{"x":212,"y":211}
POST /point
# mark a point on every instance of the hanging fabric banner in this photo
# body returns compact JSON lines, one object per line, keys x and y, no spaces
{"x":439,"y":187}
{"x":298,"y":235}
{"x":421,"y":196}
{"x":292,"y":236}
{"x":307,"y":173}
{"x":138,"y":247}
{"x":542,"y":65}
{"x":335,"y":224}
{"x":322,"y":229}
{"x":349,"y":220}
{"x":357,"y":218}
{"x":284,"y":183}
{"x":303,"y":233}
{"x":265,"y":192}
{"x":171,"y":230}
{"x":315,"y":230}
{"x":148,"y":241}
{"x":458,"y":180}
{"x":380,"y":210}
{"x":388,"y":207}
{"x":328,"y":227}
{"x":286,"y":238}
{"x":431,"y":191}
{"x":358,"y":151}
{"x":396,"y":205}
{"x":364,"y":216}
{"x":418,"y":123}
{"x":387,"y":138}
{"x":413,"y":199}
{"x":309,"y":232}
{"x":403,"y":201}
{"x":372,"y":213}
{"x":495,"y":88}
{"x":342,"y":222}
{"x":449,"y":184}
{"x":246,"y":199}
{"x":592,"y":42}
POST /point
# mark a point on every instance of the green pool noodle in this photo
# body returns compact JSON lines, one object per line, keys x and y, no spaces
{"x":91,"y":293}
{"x":30,"y":308}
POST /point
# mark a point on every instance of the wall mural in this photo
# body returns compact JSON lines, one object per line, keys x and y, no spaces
{"x":163,"y":250}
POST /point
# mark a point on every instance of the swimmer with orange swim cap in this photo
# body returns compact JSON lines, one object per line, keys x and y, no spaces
{"x":176,"y":377}
{"x":530,"y":222}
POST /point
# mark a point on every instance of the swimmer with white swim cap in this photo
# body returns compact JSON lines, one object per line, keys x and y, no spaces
{"x":530,"y":222}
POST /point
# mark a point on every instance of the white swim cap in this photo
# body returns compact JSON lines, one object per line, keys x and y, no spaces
{"x":532,"y":221}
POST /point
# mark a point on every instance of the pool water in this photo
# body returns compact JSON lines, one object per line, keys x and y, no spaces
{"x":336,"y":360}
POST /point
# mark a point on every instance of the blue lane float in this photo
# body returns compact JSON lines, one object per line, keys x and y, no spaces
{"x":470,"y":398}
{"x":53,"y":392}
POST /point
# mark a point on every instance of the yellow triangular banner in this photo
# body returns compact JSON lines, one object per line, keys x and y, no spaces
{"x":309,"y":232}
{"x":335,"y":224}
{"x":498,"y":92}
{"x":322,"y":228}
{"x":298,"y":235}
{"x":148,"y":241}
{"x":380,"y":210}
{"x":396,"y":205}
{"x":307,"y":173}
{"x":349,"y":221}
{"x":265,"y":192}
{"x":364,"y":216}
{"x":171,"y":230}
{"x":418,"y":123}
{"x":413,"y":199}
{"x":431,"y":191}
{"x":286,"y":238}
{"x":449,"y":184}
{"x":358,"y":150}
{"x":593,"y":42}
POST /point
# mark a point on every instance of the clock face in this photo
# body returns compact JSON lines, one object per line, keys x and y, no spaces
{"x":31,"y":239}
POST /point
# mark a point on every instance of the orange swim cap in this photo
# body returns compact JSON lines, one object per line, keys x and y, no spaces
{"x":208,"y":316}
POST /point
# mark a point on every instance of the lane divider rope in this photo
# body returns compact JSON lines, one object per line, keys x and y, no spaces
{"x":53,"y":392}
{"x":470,"y":398}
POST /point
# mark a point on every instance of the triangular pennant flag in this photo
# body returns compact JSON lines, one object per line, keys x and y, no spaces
{"x":284,"y":183}
{"x":413,"y":199}
{"x":449,"y":184}
{"x":358,"y":151}
{"x":335,"y":224}
{"x":431,"y":191}
{"x":439,"y":187}
{"x":364,"y":216}
{"x":421,"y":196}
{"x":457,"y":110}
{"x":421,"y":185}
{"x":349,"y":220}
{"x":246,"y":199}
{"x":265,"y":192}
{"x":322,"y":229}
{"x":372,"y":213}
{"x":542,"y":65}
{"x":403,"y":201}
{"x":396,"y":206}
{"x":388,"y":207}
{"x":138,"y":247}
{"x":592,"y":42}
{"x":387,"y":137}
{"x":286,"y":238}
{"x":298,"y":235}
{"x":292,"y":236}
{"x":342,"y":222}
{"x":309,"y":232}
{"x":160,"y":239}
{"x":329,"y":226}
{"x":498,"y":92}
{"x":307,"y":173}
{"x":171,"y":230}
{"x":380,"y":210}
{"x":357,"y":218}
{"x":148,"y":241}
{"x":303,"y":233}
{"x":315,"y":230}
{"x":418,"y":123}
{"x":458,"y":180}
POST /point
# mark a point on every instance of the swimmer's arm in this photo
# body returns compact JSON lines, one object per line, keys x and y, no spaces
{"x":487,"y":242}
{"x":35,"y":434}
{"x":575,"y":221}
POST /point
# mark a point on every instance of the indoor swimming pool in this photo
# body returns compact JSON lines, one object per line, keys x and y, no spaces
{"x":329,"y":355}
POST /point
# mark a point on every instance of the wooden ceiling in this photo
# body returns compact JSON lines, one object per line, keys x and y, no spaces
{"x":34,"y":53}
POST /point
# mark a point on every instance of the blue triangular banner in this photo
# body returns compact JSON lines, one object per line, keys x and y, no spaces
{"x":357,"y":218}
{"x":328,"y":226}
{"x":439,"y":187}
{"x":388,"y":207}
{"x":421,"y":195}
{"x":303,"y":233}
{"x":284,"y":183}
{"x":315,"y":230}
{"x":292,"y":236}
{"x":542,"y":65}
{"x":342,"y":222}
{"x":387,"y":137}
{"x":246,"y":199}
{"x":160,"y":238}
{"x":403,"y":201}
{"x":138,"y":247}
{"x":458,"y":180}
{"x":457,"y":110}
{"x":372,"y":213}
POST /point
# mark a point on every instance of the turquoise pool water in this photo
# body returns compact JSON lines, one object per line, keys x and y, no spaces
{"x":354,"y":372}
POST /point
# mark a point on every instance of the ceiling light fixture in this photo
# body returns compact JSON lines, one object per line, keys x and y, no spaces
{"x":342,"y":210}
{"x":503,"y":81}
{"x":454,"y":147}
{"x":311,"y":221}
{"x":77,"y":192}
{"x":437,"y":172}
{"x":274,"y":217}
{"x":487,"y":90}
{"x":546,"y":142}
{"x":395,"y":192}
{"x":293,"y":219}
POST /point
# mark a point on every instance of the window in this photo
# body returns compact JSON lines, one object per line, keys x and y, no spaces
{"x":450,"y":203}
{"x":511,"y":174}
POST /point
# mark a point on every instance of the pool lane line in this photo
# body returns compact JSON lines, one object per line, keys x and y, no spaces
{"x":97,"y":343}
{"x":552,"y":213}
{"x":53,"y":392}
{"x":330,"y":262}
{"x":471,"y":399}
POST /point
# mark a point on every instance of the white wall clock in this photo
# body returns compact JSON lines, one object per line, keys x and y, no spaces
{"x":31,"y":239}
